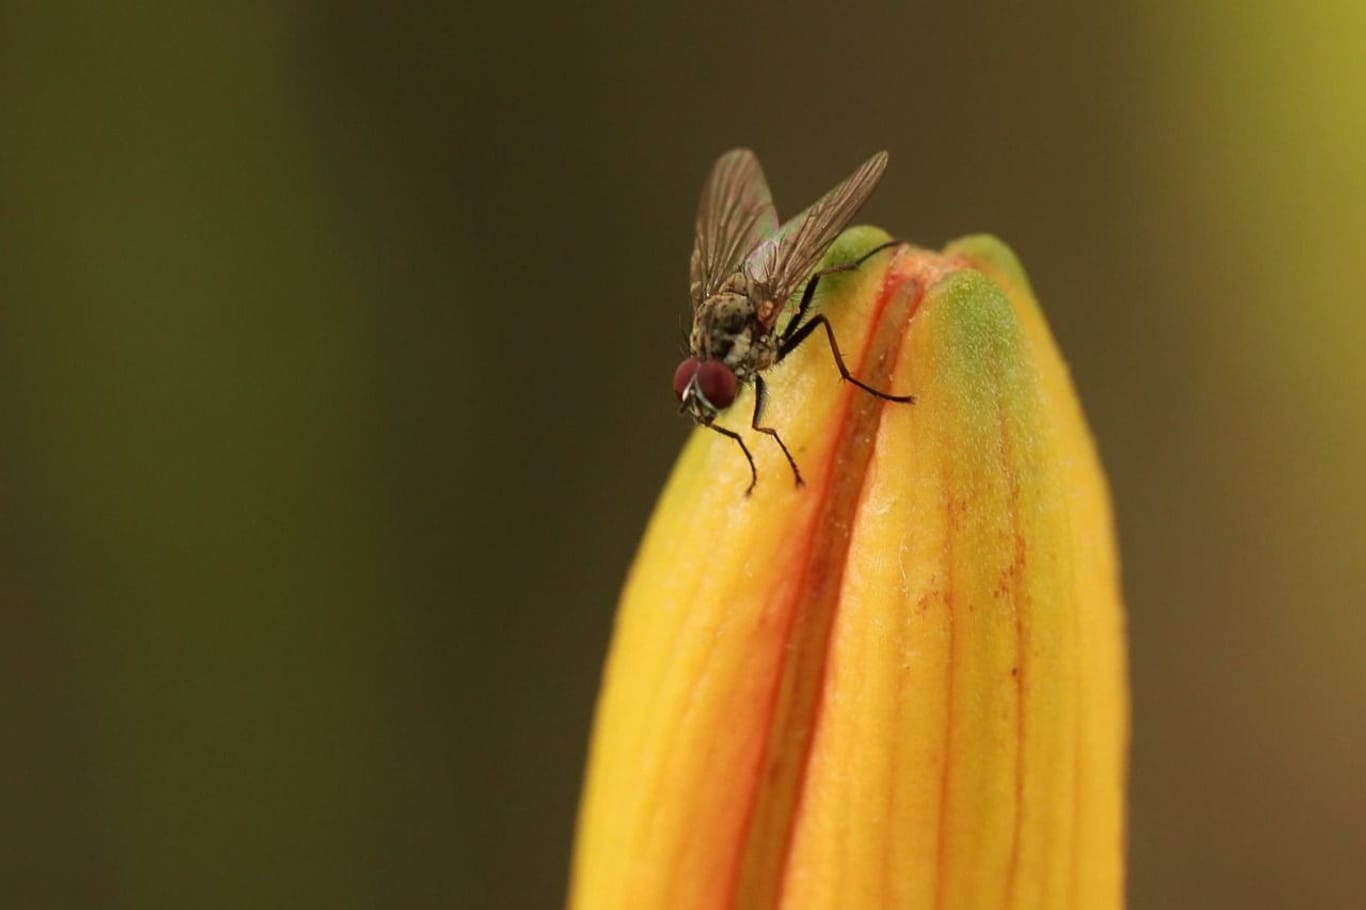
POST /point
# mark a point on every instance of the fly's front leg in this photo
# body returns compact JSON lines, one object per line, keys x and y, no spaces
{"x":753,"y":474}
{"x":761,"y":399}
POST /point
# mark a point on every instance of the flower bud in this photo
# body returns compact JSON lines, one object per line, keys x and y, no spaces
{"x":902,"y":685}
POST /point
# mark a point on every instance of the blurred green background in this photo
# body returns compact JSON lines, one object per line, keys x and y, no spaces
{"x":335,"y":347}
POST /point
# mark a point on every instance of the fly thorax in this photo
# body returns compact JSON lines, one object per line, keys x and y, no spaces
{"x":724,"y":330}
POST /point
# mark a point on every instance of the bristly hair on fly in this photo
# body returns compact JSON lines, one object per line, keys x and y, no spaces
{"x":744,"y":269}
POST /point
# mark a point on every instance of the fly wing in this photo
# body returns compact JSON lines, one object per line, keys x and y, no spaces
{"x":736,"y":213}
{"x":782,"y":262}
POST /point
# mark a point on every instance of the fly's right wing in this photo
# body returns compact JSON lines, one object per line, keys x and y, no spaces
{"x":735,"y":215}
{"x":782,"y":262}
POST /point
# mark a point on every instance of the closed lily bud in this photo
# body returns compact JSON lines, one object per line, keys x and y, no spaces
{"x":903,"y":684}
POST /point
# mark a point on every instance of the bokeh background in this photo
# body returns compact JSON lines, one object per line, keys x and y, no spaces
{"x":335,"y":346}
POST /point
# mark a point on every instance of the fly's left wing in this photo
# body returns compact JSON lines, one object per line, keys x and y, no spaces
{"x":782,"y":262}
{"x":735,"y":214}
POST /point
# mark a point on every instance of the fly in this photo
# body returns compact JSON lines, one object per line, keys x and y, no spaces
{"x":744,"y":269}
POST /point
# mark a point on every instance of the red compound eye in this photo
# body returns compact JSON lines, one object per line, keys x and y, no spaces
{"x":717,"y":383}
{"x":683,"y":375}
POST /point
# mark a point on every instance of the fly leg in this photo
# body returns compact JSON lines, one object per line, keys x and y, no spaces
{"x":753,"y":474}
{"x":790,"y":343}
{"x":797,"y":332}
{"x":810,"y":293}
{"x":761,"y":399}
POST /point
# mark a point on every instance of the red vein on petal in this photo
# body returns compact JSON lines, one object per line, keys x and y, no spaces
{"x":1020,"y":593}
{"x":798,"y":695}
{"x":941,"y":859}
{"x":1079,"y":769}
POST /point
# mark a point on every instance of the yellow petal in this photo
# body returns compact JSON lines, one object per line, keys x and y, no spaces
{"x":1103,"y":712}
{"x":901,"y":685}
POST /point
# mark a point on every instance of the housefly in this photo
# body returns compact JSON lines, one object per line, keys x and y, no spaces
{"x":744,"y":269}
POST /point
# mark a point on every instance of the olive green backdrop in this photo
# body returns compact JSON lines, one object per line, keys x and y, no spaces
{"x":335,"y":348}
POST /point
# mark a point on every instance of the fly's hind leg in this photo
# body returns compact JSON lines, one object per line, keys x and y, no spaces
{"x":790,"y":344}
{"x":797,"y":331}
{"x":810,"y":293}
